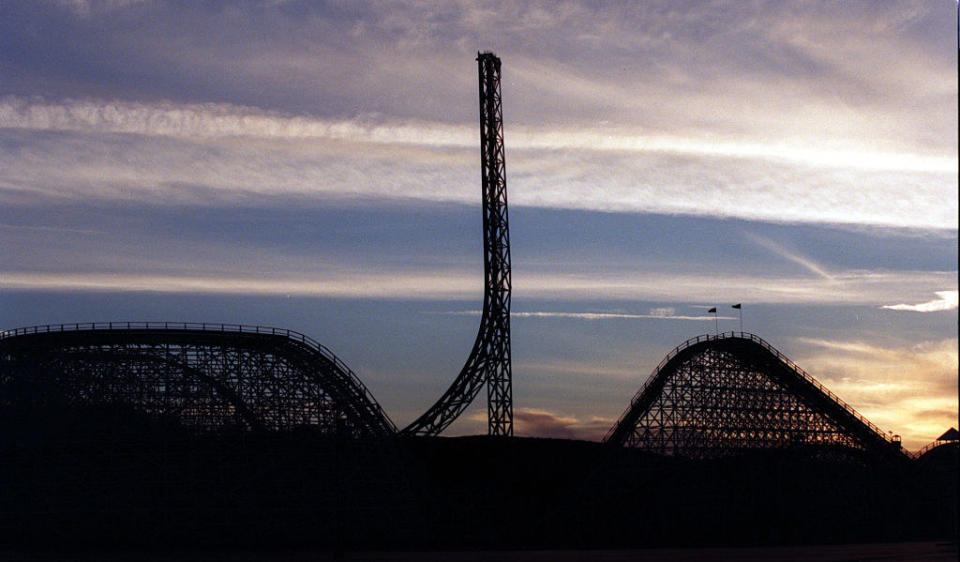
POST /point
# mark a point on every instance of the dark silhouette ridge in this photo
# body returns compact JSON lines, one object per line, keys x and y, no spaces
{"x":158,"y":485}
{"x":183,"y":438}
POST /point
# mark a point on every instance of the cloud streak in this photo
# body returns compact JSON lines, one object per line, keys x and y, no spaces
{"x":878,"y":75}
{"x":218,"y":154}
{"x":532,"y":422}
{"x":946,"y":300}
{"x":359,"y":285}
{"x":779,"y":250}
{"x":848,"y":288}
{"x":592,"y":316}
{"x":224,"y":120}
{"x":221,"y":120}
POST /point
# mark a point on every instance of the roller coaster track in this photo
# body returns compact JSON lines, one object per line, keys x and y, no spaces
{"x":226,"y":349}
{"x":731,"y":359}
{"x":750,"y":395}
{"x":121,"y":344}
{"x":489,"y":361}
{"x":947,"y":439}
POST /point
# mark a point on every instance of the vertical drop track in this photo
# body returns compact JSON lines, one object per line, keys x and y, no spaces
{"x":489,"y":361}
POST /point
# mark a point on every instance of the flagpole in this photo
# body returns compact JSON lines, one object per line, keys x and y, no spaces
{"x":739,"y":308}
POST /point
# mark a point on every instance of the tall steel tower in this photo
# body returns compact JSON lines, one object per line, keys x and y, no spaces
{"x":489,"y":361}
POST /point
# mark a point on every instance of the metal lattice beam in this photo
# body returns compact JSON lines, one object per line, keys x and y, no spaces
{"x":489,"y":360}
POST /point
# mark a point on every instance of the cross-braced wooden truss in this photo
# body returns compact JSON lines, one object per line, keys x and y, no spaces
{"x":718,"y":395}
{"x":199,"y":377}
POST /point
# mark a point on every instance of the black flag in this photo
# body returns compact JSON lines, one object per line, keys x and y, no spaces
{"x":712,"y":310}
{"x":737,"y":306}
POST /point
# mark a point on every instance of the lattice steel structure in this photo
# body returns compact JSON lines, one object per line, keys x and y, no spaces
{"x":202,"y":377}
{"x":489,"y":361}
{"x":719,"y":395}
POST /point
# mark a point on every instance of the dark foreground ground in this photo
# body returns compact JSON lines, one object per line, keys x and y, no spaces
{"x":916,"y":552}
{"x":300,"y":495}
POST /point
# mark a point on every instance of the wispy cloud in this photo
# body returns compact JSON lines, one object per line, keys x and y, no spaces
{"x":706,"y":69}
{"x":947,"y":300}
{"x":166,"y":152}
{"x":909,"y":389}
{"x":848,"y":288}
{"x":779,"y":250}
{"x":531,"y":422}
{"x":86,"y":8}
{"x":50,"y":229}
{"x":590,"y":316}
{"x":225,"y":120}
{"x":221,"y":120}
{"x":354,"y":285}
{"x":579,"y":369}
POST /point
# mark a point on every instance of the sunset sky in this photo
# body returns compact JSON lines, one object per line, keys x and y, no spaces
{"x":315,"y":166}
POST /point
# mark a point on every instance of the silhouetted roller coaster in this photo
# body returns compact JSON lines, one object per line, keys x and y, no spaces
{"x":733,"y":392}
{"x":187,"y":389}
{"x":711,"y":395}
{"x":202,"y":376}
